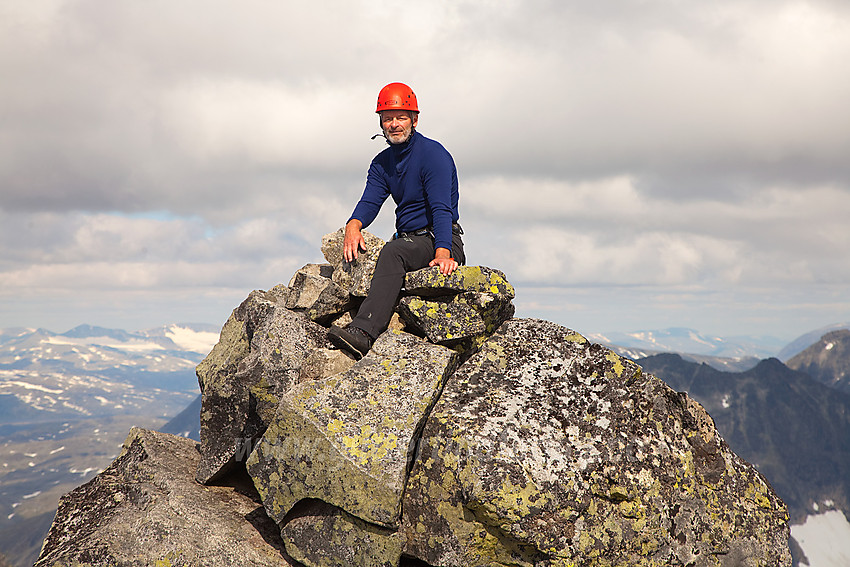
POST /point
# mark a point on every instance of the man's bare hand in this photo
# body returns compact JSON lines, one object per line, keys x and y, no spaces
{"x":443,"y":259}
{"x":354,"y":242}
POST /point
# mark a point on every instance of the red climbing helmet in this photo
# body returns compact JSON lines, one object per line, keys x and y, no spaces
{"x":397,"y":96}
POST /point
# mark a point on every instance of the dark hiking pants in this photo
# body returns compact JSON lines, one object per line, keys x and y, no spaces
{"x":397,"y":257}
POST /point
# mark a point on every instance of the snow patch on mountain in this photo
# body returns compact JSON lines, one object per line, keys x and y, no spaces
{"x":825,"y":539}
{"x":193,"y":340}
{"x":171,"y":348}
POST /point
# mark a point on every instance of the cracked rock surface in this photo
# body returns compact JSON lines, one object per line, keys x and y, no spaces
{"x":146,"y":509}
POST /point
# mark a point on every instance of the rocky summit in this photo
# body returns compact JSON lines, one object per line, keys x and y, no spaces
{"x":465,"y":437}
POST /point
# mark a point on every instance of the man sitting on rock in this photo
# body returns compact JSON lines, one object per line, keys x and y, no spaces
{"x":421,"y":177}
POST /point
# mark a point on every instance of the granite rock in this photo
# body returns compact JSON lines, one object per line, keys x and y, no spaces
{"x":224,"y":405}
{"x":459,"y":310}
{"x":238,"y":405}
{"x":429,"y":282}
{"x":146,"y":509}
{"x":547,"y":450}
{"x":318,"y":534}
{"x":313,"y":292}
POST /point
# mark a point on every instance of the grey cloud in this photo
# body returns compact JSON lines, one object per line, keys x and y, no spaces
{"x":135,"y":107}
{"x":160,"y":135}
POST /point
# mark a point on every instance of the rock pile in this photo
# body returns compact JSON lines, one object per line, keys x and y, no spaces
{"x":465,"y":437}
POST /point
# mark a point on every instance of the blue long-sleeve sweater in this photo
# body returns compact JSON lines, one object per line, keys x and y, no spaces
{"x":420,"y":175}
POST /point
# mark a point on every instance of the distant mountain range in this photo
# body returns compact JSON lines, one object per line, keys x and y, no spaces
{"x":681,"y":339}
{"x":734,"y":354}
{"x":86,"y":348}
{"x":67,"y":401}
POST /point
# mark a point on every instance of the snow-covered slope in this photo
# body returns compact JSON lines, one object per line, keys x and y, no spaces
{"x":824,"y":539}
{"x":90,"y":371}
{"x":91,"y":349}
{"x":806,"y":340}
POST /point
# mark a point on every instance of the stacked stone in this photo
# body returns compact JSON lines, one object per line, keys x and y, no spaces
{"x":464,"y":437}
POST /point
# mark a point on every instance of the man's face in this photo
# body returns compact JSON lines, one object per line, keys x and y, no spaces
{"x":398,"y":125}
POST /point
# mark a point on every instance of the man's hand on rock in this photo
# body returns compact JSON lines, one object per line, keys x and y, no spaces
{"x":354,"y":242}
{"x":443,"y":259}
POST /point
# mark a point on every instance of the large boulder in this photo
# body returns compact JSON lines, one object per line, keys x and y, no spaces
{"x":146,"y":509}
{"x":224,"y":405}
{"x":238,"y":405}
{"x":547,"y":450}
{"x":349,"y":439}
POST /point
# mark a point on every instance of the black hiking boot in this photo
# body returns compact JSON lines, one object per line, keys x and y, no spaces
{"x":351,"y":339}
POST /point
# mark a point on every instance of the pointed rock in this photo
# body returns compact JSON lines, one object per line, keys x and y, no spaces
{"x":348,"y":439}
{"x":354,"y":277}
{"x":224,"y":401}
{"x":547,"y":450}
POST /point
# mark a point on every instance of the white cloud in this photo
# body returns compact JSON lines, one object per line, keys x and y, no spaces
{"x":610,"y":232}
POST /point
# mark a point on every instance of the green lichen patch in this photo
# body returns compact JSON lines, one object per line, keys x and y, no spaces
{"x":429,"y":282}
{"x":456,"y":319}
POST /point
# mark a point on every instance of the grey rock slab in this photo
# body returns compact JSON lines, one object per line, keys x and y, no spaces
{"x":429,"y":282}
{"x":224,"y":405}
{"x":316,"y":270}
{"x":324,"y":362}
{"x":321,"y":535}
{"x":463,"y":317}
{"x":348,"y":439}
{"x":459,"y":310}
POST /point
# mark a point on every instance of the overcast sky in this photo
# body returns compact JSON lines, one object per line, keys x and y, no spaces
{"x":628,"y":165}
